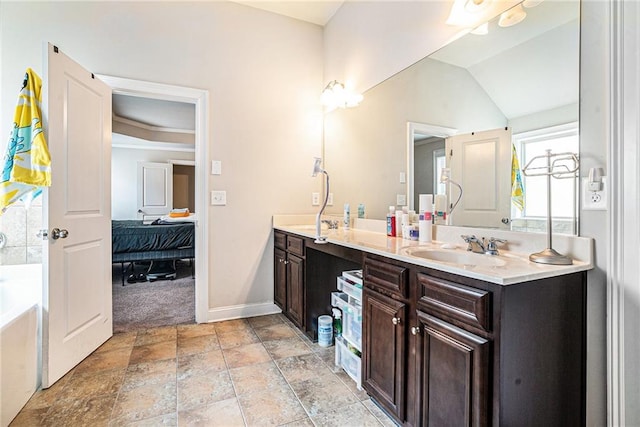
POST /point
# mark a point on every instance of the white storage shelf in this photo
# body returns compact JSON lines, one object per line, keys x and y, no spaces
{"x":349,"y":345}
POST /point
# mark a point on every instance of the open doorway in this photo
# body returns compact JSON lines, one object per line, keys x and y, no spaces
{"x":149,"y":128}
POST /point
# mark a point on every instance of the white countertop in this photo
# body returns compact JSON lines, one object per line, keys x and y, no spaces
{"x":514,"y":268}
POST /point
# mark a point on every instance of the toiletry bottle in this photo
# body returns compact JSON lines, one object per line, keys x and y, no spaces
{"x":440,"y":209}
{"x":406,"y":224}
{"x":391,"y":222}
{"x":346,"y":219}
{"x":425,"y":226}
{"x":337,"y":322}
{"x":361,"y":213}
{"x":398,"y":223}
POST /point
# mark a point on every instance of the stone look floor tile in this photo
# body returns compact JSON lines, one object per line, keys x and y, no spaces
{"x":263,"y":321}
{"x":199,"y":390}
{"x":383,"y":418}
{"x":160,"y":377}
{"x":150,"y":373}
{"x":245,"y":355}
{"x":251,"y":378}
{"x":92,"y":384}
{"x":304,"y":367}
{"x":271,"y":407}
{"x":89,"y":411}
{"x":224,"y":413}
{"x":155,"y":351}
{"x":275,"y":332}
{"x":321,"y":394}
{"x":349,"y":415}
{"x":196,"y":330}
{"x":151,"y":336}
{"x":235,"y":325}
{"x":200,"y":344}
{"x":286,"y":347}
{"x":200,"y":363}
{"x":105,"y":361}
{"x":238,"y":338}
{"x":351,"y":384}
{"x":118,"y":341}
{"x":145,"y":402}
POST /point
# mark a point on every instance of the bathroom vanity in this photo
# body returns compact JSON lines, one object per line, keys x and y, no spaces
{"x":447,"y":341}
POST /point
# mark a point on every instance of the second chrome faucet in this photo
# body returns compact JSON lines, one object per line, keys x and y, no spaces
{"x":482,"y":246}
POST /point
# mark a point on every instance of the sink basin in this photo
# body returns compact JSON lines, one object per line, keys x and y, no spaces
{"x":456,"y":257}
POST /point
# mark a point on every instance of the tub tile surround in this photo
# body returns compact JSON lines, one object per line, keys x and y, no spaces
{"x":280,"y":379}
{"x":21,"y":226}
{"x":370,"y":236}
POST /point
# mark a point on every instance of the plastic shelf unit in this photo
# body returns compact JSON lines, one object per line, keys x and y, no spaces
{"x":349,"y":345}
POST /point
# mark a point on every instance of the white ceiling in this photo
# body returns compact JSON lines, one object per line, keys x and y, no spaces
{"x":314,"y":11}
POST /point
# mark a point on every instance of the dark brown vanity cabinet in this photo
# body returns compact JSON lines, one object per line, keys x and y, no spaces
{"x":289,"y":276}
{"x":447,"y":350}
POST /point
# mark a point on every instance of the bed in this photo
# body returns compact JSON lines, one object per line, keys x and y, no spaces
{"x":133,"y":241}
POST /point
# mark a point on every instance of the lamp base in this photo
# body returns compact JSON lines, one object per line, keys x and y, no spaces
{"x":550,"y":256}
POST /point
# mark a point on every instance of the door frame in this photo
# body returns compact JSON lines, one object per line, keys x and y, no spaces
{"x":200,"y":99}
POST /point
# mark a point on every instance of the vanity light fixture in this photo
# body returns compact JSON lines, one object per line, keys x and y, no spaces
{"x":513,"y":16}
{"x":336,"y":94}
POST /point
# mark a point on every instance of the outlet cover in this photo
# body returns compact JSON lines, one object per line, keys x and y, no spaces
{"x":218,"y":198}
{"x":330,"y":200}
{"x":401,"y":199}
{"x":594,"y":200}
{"x":315,"y":199}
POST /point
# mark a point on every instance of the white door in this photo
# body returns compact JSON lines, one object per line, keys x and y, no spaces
{"x":481,"y":163}
{"x":77,"y":258}
{"x":155,"y":189}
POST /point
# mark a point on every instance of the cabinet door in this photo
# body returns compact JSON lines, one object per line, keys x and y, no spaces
{"x":295,"y":289}
{"x":384,"y":352}
{"x":453,"y":375}
{"x":280,"y":278}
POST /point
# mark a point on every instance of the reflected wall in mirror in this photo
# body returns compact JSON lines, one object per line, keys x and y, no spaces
{"x":524,"y":78}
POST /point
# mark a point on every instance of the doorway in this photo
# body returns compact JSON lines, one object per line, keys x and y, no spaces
{"x":199,"y":100}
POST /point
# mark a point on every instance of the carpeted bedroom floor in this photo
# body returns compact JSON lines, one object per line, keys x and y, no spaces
{"x":145,"y":305}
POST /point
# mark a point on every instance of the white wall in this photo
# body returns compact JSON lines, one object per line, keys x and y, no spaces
{"x":263,"y":73}
{"x":367,"y":42}
{"x":124,"y":177}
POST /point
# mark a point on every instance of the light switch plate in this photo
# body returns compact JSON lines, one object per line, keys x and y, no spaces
{"x":401,"y":199}
{"x":594,"y":200}
{"x":403,"y":178}
{"x":218,"y":198}
{"x":216,"y":167}
{"x":315,"y":199}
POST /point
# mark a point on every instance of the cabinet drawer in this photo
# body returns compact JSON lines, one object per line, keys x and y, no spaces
{"x":451,"y":301}
{"x":280,"y":240}
{"x":295,"y":245}
{"x":384,"y":276}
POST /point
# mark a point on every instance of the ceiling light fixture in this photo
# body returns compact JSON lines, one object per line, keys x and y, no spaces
{"x":335,"y":95}
{"x":512,"y":16}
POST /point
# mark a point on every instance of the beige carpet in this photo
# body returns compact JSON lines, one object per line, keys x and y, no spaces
{"x":147,"y":304}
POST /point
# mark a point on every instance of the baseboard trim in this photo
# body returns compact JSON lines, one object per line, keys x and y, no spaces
{"x":241,"y":311}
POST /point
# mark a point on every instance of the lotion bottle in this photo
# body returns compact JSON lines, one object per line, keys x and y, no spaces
{"x":346,"y":219}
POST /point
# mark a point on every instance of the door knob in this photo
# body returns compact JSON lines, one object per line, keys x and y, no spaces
{"x":57,"y":233}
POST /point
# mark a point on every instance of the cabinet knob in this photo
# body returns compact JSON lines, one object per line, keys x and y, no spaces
{"x":286,"y":262}
{"x":415,"y":330}
{"x":395,"y":320}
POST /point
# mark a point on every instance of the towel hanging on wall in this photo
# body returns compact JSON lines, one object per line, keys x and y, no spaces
{"x":517,"y":187}
{"x":27,"y":162}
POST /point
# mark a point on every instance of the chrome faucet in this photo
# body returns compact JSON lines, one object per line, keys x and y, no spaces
{"x":474,"y":245}
{"x":482,"y":246}
{"x":333,"y":224}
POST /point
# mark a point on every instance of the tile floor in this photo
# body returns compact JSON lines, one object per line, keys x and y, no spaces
{"x":246,"y":372}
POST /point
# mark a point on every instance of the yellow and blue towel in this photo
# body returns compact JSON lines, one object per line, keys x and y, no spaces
{"x":27,"y":162}
{"x":517,"y":187}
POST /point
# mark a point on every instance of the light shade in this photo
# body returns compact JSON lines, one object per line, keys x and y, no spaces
{"x":335,"y":94}
{"x":512,"y":16}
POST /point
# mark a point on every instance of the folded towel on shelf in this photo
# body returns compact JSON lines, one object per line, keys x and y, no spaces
{"x":27,"y":162}
{"x":179,"y":213}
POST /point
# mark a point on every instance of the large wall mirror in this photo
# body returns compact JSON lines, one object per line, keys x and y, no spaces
{"x":523,"y":79}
